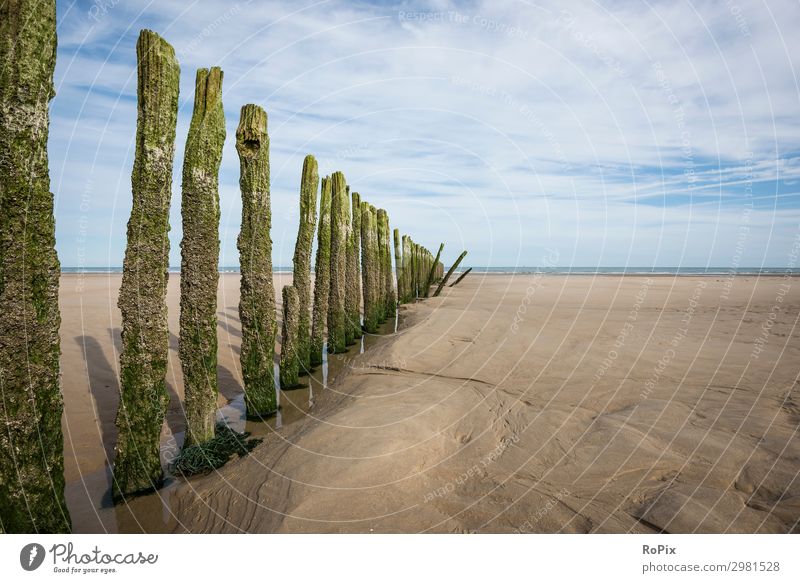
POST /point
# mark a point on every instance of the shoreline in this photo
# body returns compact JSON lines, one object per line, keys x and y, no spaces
{"x":793,"y":273}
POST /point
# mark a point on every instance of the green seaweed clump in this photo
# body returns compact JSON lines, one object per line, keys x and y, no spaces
{"x":206,"y":457}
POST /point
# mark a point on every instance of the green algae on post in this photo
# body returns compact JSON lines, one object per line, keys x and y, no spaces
{"x":388,"y":272}
{"x":290,"y":359}
{"x":432,"y":270}
{"x":410,"y":266}
{"x":142,"y":295}
{"x":31,"y":443}
{"x":424,"y":272}
{"x":449,"y":273}
{"x":352,"y":301}
{"x":257,"y":299}
{"x":406,"y":270}
{"x":349,"y":336}
{"x":463,"y":275}
{"x":398,"y":266}
{"x":337,"y":334}
{"x":366,"y":267}
{"x":200,"y":256}
{"x":301,"y":278}
{"x":380,"y":262}
{"x":322,"y":274}
{"x":368,"y":276}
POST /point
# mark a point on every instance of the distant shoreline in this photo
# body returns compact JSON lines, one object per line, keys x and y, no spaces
{"x":607,"y":271}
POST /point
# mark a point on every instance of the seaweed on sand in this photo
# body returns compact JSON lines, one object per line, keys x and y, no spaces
{"x":205,"y":457}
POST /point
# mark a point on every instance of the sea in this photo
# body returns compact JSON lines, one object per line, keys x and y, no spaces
{"x":507,"y":270}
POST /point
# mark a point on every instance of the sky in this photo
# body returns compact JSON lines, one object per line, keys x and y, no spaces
{"x":619,"y":133}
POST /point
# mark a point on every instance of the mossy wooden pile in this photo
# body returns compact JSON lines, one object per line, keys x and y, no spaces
{"x":301,"y":278}
{"x":353,"y":299}
{"x":200,"y":256}
{"x":145,"y":338}
{"x":449,"y":273}
{"x":369,"y":275}
{"x":290,"y":341}
{"x":337,"y":318}
{"x":257,"y":299}
{"x":432,"y":265}
{"x":31,"y":442}
{"x":462,"y":276}
{"x":322,"y":275}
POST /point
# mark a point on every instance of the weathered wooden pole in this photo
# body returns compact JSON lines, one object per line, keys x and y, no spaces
{"x":381,"y":261}
{"x":421,"y":270}
{"x":31,"y":442}
{"x":398,"y":266}
{"x":380,"y":289}
{"x":432,"y":270}
{"x":145,"y":338}
{"x":377,"y":292}
{"x":301,"y":278}
{"x":257,"y":299}
{"x":406,"y":295}
{"x":462,"y":276}
{"x":427,"y":268}
{"x":290,"y":359}
{"x":417,"y":270}
{"x":424,"y":272}
{"x":449,"y":273}
{"x":412,"y":265}
{"x":368,"y":267}
{"x":391,"y":294}
{"x":337,"y":320}
{"x":322,"y":274}
{"x":353,"y":299}
{"x":349,"y":336}
{"x":200,"y":256}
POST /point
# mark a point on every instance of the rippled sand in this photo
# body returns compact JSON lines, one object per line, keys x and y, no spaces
{"x":543,"y":404}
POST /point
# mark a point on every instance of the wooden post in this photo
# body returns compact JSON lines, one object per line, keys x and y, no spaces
{"x":200,"y":256}
{"x":352,"y":302}
{"x":462,"y":276}
{"x":301,"y":277}
{"x":432,"y":270}
{"x":322,"y":274}
{"x":290,"y":359}
{"x":257,"y":299}
{"x":142,"y":295}
{"x":31,"y":442}
{"x":337,"y":333}
{"x":449,"y":273}
{"x":369,"y":268}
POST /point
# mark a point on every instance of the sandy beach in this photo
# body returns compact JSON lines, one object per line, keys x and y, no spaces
{"x":523,"y":403}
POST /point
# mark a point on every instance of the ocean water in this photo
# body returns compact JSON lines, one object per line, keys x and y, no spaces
{"x":506,"y":269}
{"x":633,"y":270}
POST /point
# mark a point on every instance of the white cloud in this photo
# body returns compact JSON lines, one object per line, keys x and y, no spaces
{"x":503,"y":127}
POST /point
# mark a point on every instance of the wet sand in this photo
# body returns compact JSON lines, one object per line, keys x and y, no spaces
{"x":510,"y":404}
{"x":90,"y":338}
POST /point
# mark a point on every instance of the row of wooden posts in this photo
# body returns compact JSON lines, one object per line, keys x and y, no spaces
{"x":353,"y":261}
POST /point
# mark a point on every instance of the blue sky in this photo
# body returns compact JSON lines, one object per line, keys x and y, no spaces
{"x":615,"y":133}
